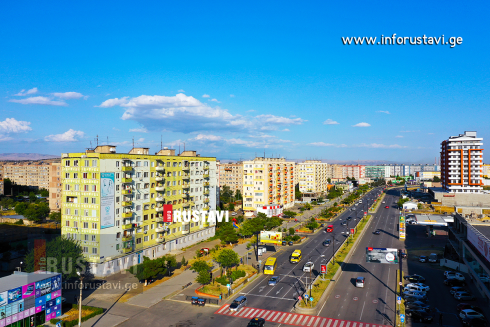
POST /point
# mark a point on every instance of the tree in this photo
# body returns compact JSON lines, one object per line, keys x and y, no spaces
{"x":21,"y":207}
{"x":297,"y":192}
{"x":37,"y":212}
{"x":329,"y":180}
{"x":200,"y":265}
{"x":183,"y":262}
{"x":291,"y":231}
{"x":63,"y":255}
{"x":55,"y":215}
{"x":289,"y":213}
{"x":32,"y":197}
{"x":436,"y":179}
{"x":252,"y":226}
{"x":227,"y":233}
{"x":203,"y":277}
{"x":238,"y":195}
{"x":227,"y":258}
{"x":7,"y":202}
{"x":44,"y":192}
{"x":231,"y":207}
{"x":312,"y":225}
{"x":226,"y":194}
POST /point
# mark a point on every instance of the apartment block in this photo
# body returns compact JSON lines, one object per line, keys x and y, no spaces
{"x":462,"y":163}
{"x":55,"y":186}
{"x":268,"y":181}
{"x":313,"y":176}
{"x":35,"y":174}
{"x":353,"y":171}
{"x":2,"y":187}
{"x":231,"y":175}
{"x":113,"y":203}
{"x":374,"y":172}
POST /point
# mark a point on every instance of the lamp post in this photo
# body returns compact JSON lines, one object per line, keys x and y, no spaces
{"x":80,"y":301}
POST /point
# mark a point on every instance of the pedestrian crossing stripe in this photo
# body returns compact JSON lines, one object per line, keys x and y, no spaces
{"x":294,"y":319}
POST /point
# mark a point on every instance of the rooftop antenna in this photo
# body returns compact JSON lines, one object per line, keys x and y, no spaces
{"x":184,"y":146}
{"x":108,"y":140}
{"x":97,"y":139}
{"x":91,"y":144}
{"x":133,"y":142}
{"x":161,"y":142}
{"x":179,"y":148}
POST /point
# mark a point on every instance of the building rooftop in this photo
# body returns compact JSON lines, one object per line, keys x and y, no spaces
{"x":18,"y":279}
{"x":435,"y":220}
{"x":484,"y":229}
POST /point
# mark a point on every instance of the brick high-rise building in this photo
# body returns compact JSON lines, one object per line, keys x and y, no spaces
{"x":55,"y":186}
{"x":231,"y":175}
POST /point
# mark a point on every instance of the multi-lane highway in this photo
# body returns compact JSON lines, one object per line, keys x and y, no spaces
{"x":294,"y":281}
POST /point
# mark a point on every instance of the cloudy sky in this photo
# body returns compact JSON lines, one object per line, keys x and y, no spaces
{"x":234,"y":79}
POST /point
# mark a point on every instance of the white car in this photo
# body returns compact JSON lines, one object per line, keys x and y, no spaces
{"x":484,"y":278}
{"x":468,"y":313}
{"x":414,"y":293}
{"x":455,"y":275}
{"x":418,"y":286}
{"x":308,"y":267}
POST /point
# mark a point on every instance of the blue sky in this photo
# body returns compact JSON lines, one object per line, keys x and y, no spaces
{"x":234,"y":79}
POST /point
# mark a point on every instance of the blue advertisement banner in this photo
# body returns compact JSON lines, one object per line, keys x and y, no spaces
{"x":15,"y":294}
{"x":107,"y":210}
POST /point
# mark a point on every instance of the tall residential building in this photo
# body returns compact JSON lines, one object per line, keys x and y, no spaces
{"x":2,"y":187}
{"x":113,"y":203}
{"x":268,"y":181}
{"x":338,"y":172}
{"x":34,"y":174}
{"x":374,"y":172}
{"x":356,"y":171}
{"x":313,"y":176}
{"x":462,"y":163}
{"x":55,"y":186}
{"x":231,"y":175}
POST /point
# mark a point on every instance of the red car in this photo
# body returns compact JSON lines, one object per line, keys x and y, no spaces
{"x":387,"y":207}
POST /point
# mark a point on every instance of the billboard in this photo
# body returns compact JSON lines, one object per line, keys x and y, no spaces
{"x":43,"y":287}
{"x":28,"y":290}
{"x":167,"y":213}
{"x":107,"y":211}
{"x":3,"y":298}
{"x":55,"y":283}
{"x":479,"y":241}
{"x":401,"y":228}
{"x":381,"y":255}
{"x":270,"y":237}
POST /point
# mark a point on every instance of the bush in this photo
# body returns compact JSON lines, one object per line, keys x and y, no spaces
{"x":19,"y":222}
{"x":95,"y":312}
{"x":54,"y":321}
{"x":238,"y":274}
{"x":222,"y":280}
{"x":296,"y":238}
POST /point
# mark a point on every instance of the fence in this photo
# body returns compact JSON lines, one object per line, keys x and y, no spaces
{"x":210,"y":301}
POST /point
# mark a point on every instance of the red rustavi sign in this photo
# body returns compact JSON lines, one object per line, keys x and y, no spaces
{"x":370,"y":249}
{"x":323,"y":269}
{"x":167,"y":213}
{"x":352,"y":231}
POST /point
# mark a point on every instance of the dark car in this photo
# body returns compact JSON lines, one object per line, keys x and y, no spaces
{"x":414,"y":278}
{"x":419,"y":315}
{"x":454,"y":282}
{"x":416,"y":307}
{"x":326,"y":242}
{"x":464,"y":306}
{"x":256,"y":322}
{"x":148,"y":281}
{"x":343,"y":223}
{"x":198,"y":301}
{"x":284,"y":243}
{"x":474,"y":322}
{"x":464,"y":296}
{"x":423,"y":258}
{"x":376,"y":232}
{"x":349,"y":218}
{"x":456,"y":289}
{"x":286,"y":216}
{"x":290,"y":243}
{"x":415,"y":299}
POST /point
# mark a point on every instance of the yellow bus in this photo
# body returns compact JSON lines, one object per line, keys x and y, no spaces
{"x":295,"y":257}
{"x":270,"y":266}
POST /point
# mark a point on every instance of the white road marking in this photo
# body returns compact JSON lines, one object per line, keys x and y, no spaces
{"x":223,"y":308}
{"x":276,"y":316}
{"x":243,"y":311}
{"x":362,"y":310}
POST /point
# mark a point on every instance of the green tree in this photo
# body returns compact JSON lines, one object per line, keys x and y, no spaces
{"x":200,"y":265}
{"x":231,"y":207}
{"x":55,"y":215}
{"x":21,"y":207}
{"x":307,"y":206}
{"x":227,"y":258}
{"x":436,"y":179}
{"x":203,"y":277}
{"x":226,"y":194}
{"x":329,"y":180}
{"x":63,"y":255}
{"x":251,"y":226}
{"x":183,"y":262}
{"x":238,"y":195}
{"x":289,"y":213}
{"x":227,"y":233}
{"x":291,"y":231}
{"x":44,"y":192}
{"x":32,"y":197}
{"x":312,"y":225}
{"x":37,"y":212}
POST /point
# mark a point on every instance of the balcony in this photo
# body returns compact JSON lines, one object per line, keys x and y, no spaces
{"x":206,"y":200}
{"x":127,"y":250}
{"x":186,"y":167}
{"x":206,"y":175}
{"x":127,"y":192}
{"x":160,"y":178}
{"x":159,"y":198}
{"x":206,"y":193}
{"x":127,"y":238}
{"x":159,"y":219}
{"x":126,"y":180}
{"x":206,"y":168}
{"x":127,"y":214}
{"x":159,"y":209}
{"x":126,"y":168}
{"x":160,"y":188}
{"x":127,"y":203}
{"x":184,"y":232}
{"x":186,"y":176}
{"x":160,"y":239}
{"x":185,"y":186}
{"x":127,"y":226}
{"x":160,"y":229}
{"x":160,"y":168}
{"x":206,"y":184}
{"x":205,"y":208}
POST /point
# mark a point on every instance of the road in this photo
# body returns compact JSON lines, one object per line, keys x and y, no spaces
{"x":373,"y":303}
{"x":282,"y":297}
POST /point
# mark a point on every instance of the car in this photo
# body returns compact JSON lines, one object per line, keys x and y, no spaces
{"x":233,"y":213}
{"x":349,"y":218}
{"x":456,"y":289}
{"x":238,"y":303}
{"x":308,"y":267}
{"x":284,"y":243}
{"x":256,"y":322}
{"x":416,"y":305}
{"x":343,"y":223}
{"x":376,"y":232}
{"x":274,"y":280}
{"x":463,"y":306}
{"x":148,"y":281}
{"x":464,"y":296}
{"x":474,"y":322}
{"x":415,"y":299}
{"x":387,"y":207}
{"x":418,"y":286}
{"x":422,"y":258}
{"x":484,"y":278}
{"x":290,"y":243}
{"x":454,"y":282}
{"x":384,"y":201}
{"x":469,"y":313}
{"x":414,"y":293}
{"x":286,"y":216}
{"x":453,"y":274}
{"x":414,"y":278}
{"x":419,"y":315}
{"x":327,"y":242}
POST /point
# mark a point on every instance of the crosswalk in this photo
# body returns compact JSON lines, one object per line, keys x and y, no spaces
{"x":294,"y":319}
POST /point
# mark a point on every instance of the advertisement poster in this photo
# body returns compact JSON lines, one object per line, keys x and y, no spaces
{"x":107,"y":211}
{"x":3,"y":298}
{"x":167,"y":213}
{"x":401,"y":225}
{"x":270,"y":237}
{"x":28,"y":290}
{"x":479,"y":241}
{"x":55,"y":283}
{"x":15,"y":294}
{"x":39,"y":254}
{"x":43,"y":287}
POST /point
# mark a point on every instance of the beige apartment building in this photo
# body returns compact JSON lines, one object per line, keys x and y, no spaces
{"x":55,"y":186}
{"x":313,"y":176}
{"x":268,"y":181}
{"x":344,"y":171}
{"x":2,"y":187}
{"x":231,"y":175}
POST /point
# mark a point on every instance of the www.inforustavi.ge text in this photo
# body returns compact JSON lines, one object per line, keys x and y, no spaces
{"x":402,"y":40}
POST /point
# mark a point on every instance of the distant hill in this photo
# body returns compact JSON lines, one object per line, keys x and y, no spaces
{"x":27,"y":156}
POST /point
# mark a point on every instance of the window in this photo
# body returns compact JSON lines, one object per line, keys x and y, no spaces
{"x":117,"y":163}
{"x":138,"y":186}
{"x":138,"y":196}
{"x":75,"y":163}
{"x":67,"y":175}
{"x":85,"y":213}
{"x":77,"y":187}
{"x":94,"y":188}
{"x":67,"y":211}
{"x":94,"y":213}
{"x":85,"y":249}
{"x":146,"y":207}
{"x":145,"y":217}
{"x":94,"y":175}
{"x":67,"y":223}
{"x":117,"y":175}
{"x":138,"y":163}
{"x":67,"y":187}
{"x":138,"y":241}
{"x":117,"y":199}
{"x":138,"y":207}
{"x":94,"y":238}
{"x":138,"y":174}
{"x":146,"y":238}
{"x":94,"y":163}
{"x":85,"y":237}
{"x":94,"y":201}
{"x":117,"y":187}
{"x":146,"y":196}
{"x":85,"y":225}
{"x":67,"y":163}
{"x":145,"y":163}
{"x":76,"y":212}
{"x":86,"y":188}
{"x":94,"y":225}
{"x":94,"y":250}
{"x":145,"y":174}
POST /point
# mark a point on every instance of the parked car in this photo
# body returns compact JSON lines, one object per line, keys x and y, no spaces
{"x":469,"y":313}
{"x":414,"y":278}
{"x":415,"y":307}
{"x":256,"y":322}
{"x":433,"y":257}
{"x":308,"y":267}
{"x":421,"y":304}
{"x":423,"y":258}
{"x":415,"y":299}
{"x":290,"y":243}
{"x":484,"y":278}
{"x":387,"y":207}
{"x":238,"y":303}
{"x":457,"y":289}
{"x":474,"y":322}
{"x":454,"y":282}
{"x":453,"y":274}
{"x":464,"y":296}
{"x":419,"y":315}
{"x":418,"y":287}
{"x":327,"y":242}
{"x":343,"y":223}
{"x":274,"y":280}
{"x":414,"y":293}
{"x":463,"y":306}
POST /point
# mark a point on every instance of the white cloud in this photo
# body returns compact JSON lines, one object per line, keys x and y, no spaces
{"x":116,"y":129}
{"x":399,"y":136}
{"x":181,"y":91}
{"x":251,"y":110}
{"x":214,"y":100}
{"x":361,"y":125}
{"x":41,"y":100}
{"x":68,"y":136}
{"x":68,"y":95}
{"x":203,"y":137}
{"x":280,"y":120}
{"x":330,"y":122}
{"x":24,"y":93}
{"x":85,"y":97}
{"x":285,"y":130}
{"x":139,"y":130}
{"x":384,"y":112}
{"x":11,"y":125}
{"x":232,"y":95}
{"x":322,"y":144}
{"x":205,"y":96}
{"x":409,"y":131}
{"x":113,"y":102}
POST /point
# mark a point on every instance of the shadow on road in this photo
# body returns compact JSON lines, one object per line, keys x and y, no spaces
{"x":388,"y":233}
{"x":385,"y":317}
{"x":365,"y":270}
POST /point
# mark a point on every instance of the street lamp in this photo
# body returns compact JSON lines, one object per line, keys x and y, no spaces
{"x":80,"y":301}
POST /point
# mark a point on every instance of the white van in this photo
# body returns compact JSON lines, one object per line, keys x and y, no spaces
{"x":360,"y":201}
{"x":360,"y":281}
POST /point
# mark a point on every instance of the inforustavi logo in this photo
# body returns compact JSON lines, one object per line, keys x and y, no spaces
{"x":212,"y":216}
